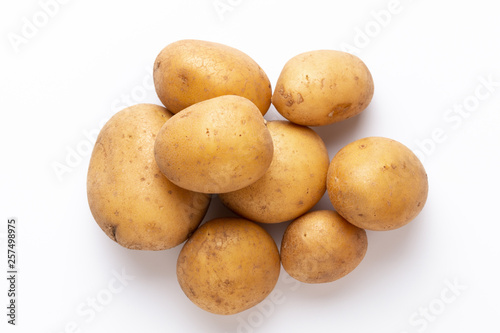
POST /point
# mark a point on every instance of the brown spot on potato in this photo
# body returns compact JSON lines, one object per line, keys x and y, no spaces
{"x":112,"y":231}
{"x":299,"y":98}
{"x":183,"y":78}
{"x":281,"y":91}
{"x":341,"y":107}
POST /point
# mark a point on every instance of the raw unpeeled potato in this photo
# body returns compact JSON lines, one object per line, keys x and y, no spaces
{"x":321,"y":246}
{"x":149,"y":171}
{"x":294,"y":182}
{"x":377,"y":183}
{"x":215,"y":146}
{"x":228,"y":265}
{"x":190,"y":71}
{"x":322,"y":87}
{"x":130,"y":199}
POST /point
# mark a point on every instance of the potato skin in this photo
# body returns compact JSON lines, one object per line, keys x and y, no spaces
{"x":190,"y":71}
{"x":294,"y":182}
{"x":228,"y":265}
{"x":377,"y":183}
{"x":215,"y":146}
{"x":323,"y":87}
{"x":321,"y":246}
{"x":132,"y":202}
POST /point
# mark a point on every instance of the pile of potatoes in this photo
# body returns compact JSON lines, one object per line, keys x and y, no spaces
{"x":154,"y":170}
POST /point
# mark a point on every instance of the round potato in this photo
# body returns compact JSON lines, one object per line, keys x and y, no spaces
{"x":190,"y":71}
{"x":294,"y":182}
{"x":228,"y":265}
{"x":132,"y":202}
{"x":215,"y":146}
{"x":321,"y":247}
{"x":377,"y":184}
{"x":322,"y":87}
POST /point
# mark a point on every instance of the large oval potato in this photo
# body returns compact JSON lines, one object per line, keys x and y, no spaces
{"x":215,"y":146}
{"x":228,"y":265}
{"x":321,"y":246}
{"x":377,"y":183}
{"x":323,"y":87}
{"x":294,"y":182}
{"x":190,"y":71}
{"x":130,"y":199}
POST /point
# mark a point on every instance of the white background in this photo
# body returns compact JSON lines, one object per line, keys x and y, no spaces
{"x":88,"y":59}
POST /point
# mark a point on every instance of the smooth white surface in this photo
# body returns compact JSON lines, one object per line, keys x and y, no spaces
{"x":91,"y":58}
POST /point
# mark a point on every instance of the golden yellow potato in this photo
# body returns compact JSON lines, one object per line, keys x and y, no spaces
{"x":321,"y":246}
{"x":132,"y":202}
{"x":377,"y":184}
{"x":294,"y":182}
{"x":215,"y":146}
{"x":322,"y":87}
{"x":228,"y":265}
{"x":190,"y":71}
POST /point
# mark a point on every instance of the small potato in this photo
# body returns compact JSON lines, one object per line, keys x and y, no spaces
{"x":132,"y":202}
{"x":322,"y":87}
{"x":215,"y":146}
{"x":228,"y":265}
{"x":321,"y":246}
{"x":294,"y":182}
{"x":377,"y":184}
{"x":190,"y":71}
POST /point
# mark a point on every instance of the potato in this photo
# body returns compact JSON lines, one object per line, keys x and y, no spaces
{"x":132,"y":202}
{"x":190,"y":71}
{"x":215,"y":146}
{"x":321,"y":246}
{"x":294,"y":182}
{"x":322,"y":87}
{"x":377,"y":184}
{"x":228,"y":265}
